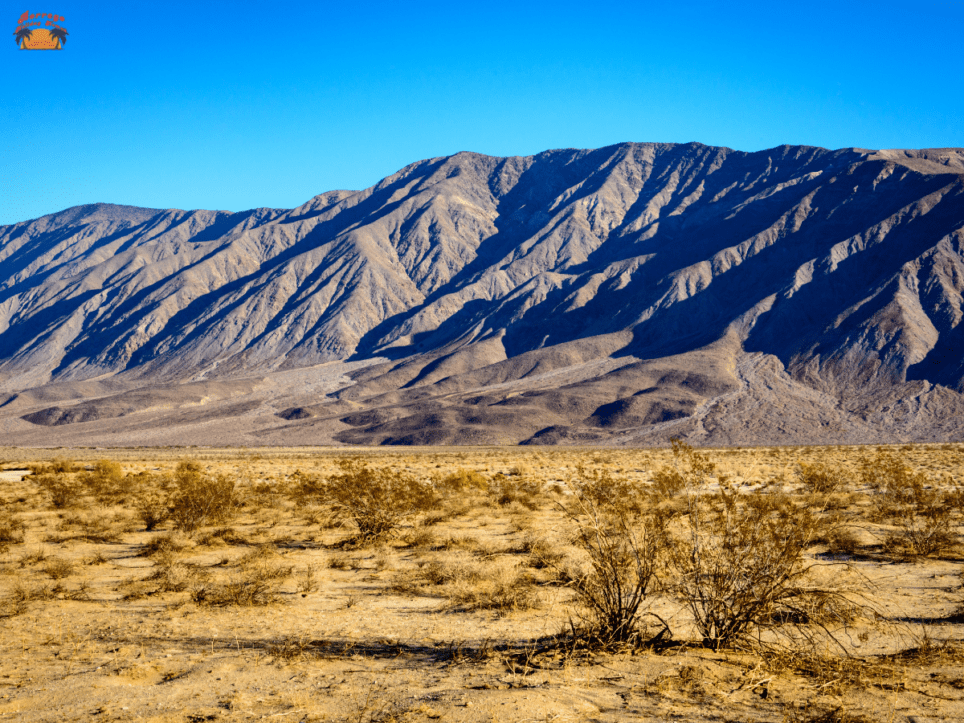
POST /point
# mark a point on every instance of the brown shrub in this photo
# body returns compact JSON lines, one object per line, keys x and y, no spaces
{"x":821,"y":479}
{"x":376,"y":500}
{"x":737,"y":561}
{"x":90,"y":526}
{"x":151,"y":496}
{"x":471,"y":585}
{"x":524,"y":492}
{"x":165,"y":544}
{"x":690,"y":471}
{"x":303,"y":488}
{"x":221,"y":537}
{"x":62,"y":491}
{"x":105,"y":482}
{"x":59,"y":465}
{"x":199,"y":498}
{"x":58,"y":569}
{"x":252,"y":585}
{"x":625,"y":549}
{"x":11,"y":531}
{"x":172,"y":575}
{"x":463,"y":480}
{"x":737,"y":564}
{"x":601,"y":489}
{"x":909,"y":500}
{"x":505,"y":589}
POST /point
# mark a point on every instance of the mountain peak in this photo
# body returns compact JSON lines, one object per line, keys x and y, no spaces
{"x":650,"y":277}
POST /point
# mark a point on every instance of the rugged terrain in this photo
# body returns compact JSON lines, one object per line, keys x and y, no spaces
{"x":617,"y":296}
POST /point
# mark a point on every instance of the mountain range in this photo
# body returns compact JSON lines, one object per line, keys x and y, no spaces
{"x":617,"y":296}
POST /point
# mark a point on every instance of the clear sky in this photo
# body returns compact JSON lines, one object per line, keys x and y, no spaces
{"x":236,"y":105}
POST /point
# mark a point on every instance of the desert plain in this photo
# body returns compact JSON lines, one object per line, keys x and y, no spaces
{"x":457,"y":584}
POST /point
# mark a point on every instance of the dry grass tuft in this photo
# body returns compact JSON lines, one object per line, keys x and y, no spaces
{"x":253,"y":585}
{"x":503,"y":588}
{"x":57,"y":568}
{"x":11,"y":530}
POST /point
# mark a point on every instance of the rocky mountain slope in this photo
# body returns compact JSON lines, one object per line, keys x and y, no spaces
{"x":618,"y":296}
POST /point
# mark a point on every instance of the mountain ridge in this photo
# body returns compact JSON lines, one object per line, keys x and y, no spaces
{"x":844,"y":266}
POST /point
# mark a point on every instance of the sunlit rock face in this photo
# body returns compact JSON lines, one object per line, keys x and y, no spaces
{"x":575,"y":295}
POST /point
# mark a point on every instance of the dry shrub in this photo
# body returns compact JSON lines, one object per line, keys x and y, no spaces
{"x":105,"y":482}
{"x":321,"y":515}
{"x":821,"y":479}
{"x":11,"y":530}
{"x":258,"y":555}
{"x":61,"y":490}
{"x":384,"y":559}
{"x":172,"y":575}
{"x":460,"y":542}
{"x":377,"y":501}
{"x":667,"y":482}
{"x":32,"y":558}
{"x":841,"y":540}
{"x":222,"y":537}
{"x":22,"y":593}
{"x":165,"y":544}
{"x":689,"y":472}
{"x":834,"y":674}
{"x":199,"y":498}
{"x":307,"y":579}
{"x":58,"y":465}
{"x":463,"y":480}
{"x":90,"y":527}
{"x":922,"y":514}
{"x":252,"y":585}
{"x":420,"y":537}
{"x":11,"y":606}
{"x":341,"y":562}
{"x":97,"y":558}
{"x":543,"y":554}
{"x":453,"y":570}
{"x":289,"y":649}
{"x":524,"y":492}
{"x":436,"y":518}
{"x":737,"y":562}
{"x":505,"y":589}
{"x":812,"y":713}
{"x":601,"y":489}
{"x":303,"y":488}
{"x":152,"y":495}
{"x":471,"y":585}
{"x":57,"y":568}
{"x":625,"y":548}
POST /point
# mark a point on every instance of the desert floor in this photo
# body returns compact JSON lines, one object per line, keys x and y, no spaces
{"x":464,"y":610}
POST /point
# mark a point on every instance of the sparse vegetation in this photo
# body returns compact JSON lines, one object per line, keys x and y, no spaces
{"x":62,"y":490}
{"x":251,"y":585}
{"x":11,"y":530}
{"x":819,"y":479}
{"x":519,"y":570}
{"x":921,"y":512}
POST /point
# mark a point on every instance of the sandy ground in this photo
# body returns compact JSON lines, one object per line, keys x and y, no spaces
{"x":99,"y":624}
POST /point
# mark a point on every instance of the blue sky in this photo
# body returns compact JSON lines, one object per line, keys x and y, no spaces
{"x":237,"y":105}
